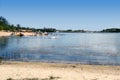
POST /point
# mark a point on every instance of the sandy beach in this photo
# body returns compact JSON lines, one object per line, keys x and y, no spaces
{"x":3,"y":33}
{"x":57,"y":71}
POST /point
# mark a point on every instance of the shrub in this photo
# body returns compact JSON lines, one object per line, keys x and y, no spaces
{"x":0,"y":59}
{"x":9,"y":79}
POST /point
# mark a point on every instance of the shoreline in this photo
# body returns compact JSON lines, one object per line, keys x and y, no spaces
{"x":18,"y":70}
{"x":62,"y":62}
{"x":56,"y":63}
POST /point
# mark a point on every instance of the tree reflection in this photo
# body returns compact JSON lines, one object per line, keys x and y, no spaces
{"x":3,"y":42}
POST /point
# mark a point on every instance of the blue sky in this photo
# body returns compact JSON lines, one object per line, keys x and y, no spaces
{"x":63,"y":14}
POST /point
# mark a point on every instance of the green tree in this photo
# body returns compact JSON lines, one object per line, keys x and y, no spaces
{"x":3,"y":21}
{"x":4,"y":25}
{"x":1,"y":27}
{"x":18,"y":27}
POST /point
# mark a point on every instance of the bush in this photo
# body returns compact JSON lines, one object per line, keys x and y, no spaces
{"x":0,"y":59}
{"x":9,"y":79}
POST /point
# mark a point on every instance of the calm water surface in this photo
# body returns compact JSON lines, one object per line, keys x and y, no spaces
{"x":86,"y":48}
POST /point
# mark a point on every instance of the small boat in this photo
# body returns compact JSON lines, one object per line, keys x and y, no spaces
{"x":54,"y":37}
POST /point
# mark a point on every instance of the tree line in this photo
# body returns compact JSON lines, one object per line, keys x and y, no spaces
{"x":6,"y":26}
{"x":111,"y":30}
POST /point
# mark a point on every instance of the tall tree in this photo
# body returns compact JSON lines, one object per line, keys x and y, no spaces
{"x":4,"y":25}
{"x":18,"y":27}
{"x":3,"y":21}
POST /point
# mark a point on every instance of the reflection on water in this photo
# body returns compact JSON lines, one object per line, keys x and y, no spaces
{"x":92,"y":48}
{"x":3,"y":42}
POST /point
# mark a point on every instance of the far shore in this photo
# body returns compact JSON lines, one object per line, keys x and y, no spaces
{"x":5,"y":33}
{"x":56,"y":71}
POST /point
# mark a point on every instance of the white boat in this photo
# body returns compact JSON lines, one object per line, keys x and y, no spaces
{"x":53,"y":37}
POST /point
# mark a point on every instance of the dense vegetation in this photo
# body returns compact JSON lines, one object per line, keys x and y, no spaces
{"x":71,"y":31}
{"x":6,"y":26}
{"x":111,"y":30}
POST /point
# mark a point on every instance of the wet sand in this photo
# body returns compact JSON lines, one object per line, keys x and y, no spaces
{"x":57,"y":71}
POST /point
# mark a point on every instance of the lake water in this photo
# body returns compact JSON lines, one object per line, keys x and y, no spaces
{"x":85,"y":48}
